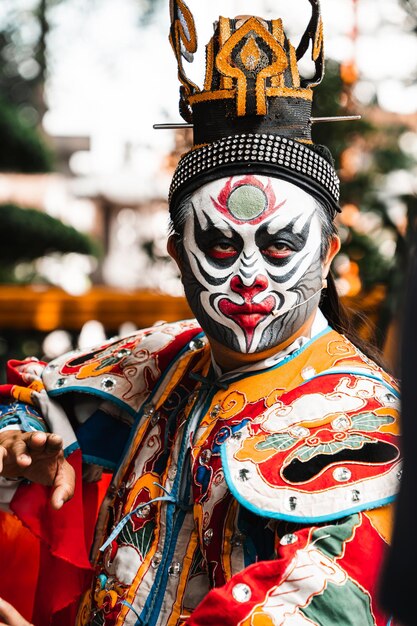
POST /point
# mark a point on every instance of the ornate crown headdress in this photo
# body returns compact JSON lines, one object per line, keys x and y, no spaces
{"x":254,"y":113}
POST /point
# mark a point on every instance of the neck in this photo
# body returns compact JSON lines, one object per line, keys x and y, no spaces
{"x":230,"y":360}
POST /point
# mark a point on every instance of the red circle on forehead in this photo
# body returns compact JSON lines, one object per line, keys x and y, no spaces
{"x":221,"y":204}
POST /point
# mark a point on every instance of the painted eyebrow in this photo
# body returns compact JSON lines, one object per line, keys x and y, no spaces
{"x":264,"y":236}
{"x":273,"y":229}
{"x":204,"y":236}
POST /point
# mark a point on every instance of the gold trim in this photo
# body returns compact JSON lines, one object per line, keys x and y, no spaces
{"x":294,"y":66}
{"x":204,"y":96}
{"x":224,"y":66}
{"x":225,"y":32}
{"x":287,"y":92}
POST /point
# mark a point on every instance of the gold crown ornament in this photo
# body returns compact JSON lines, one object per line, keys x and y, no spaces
{"x":253,"y":115}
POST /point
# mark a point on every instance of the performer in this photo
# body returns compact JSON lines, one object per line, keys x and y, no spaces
{"x":255,"y":450}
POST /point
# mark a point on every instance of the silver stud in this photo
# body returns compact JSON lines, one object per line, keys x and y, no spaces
{"x":342,"y":474}
{"x":299,"y":431}
{"x":341,"y":423}
{"x":174,"y":570}
{"x":308,"y":372}
{"x":399,"y":474}
{"x":238,"y":539}
{"x":288,"y":540}
{"x":196,"y":344}
{"x":108,"y":383}
{"x":155,"y":418}
{"x":244,"y":475}
{"x":215,"y":410}
{"x":208,"y":536}
{"x":172,"y":472}
{"x":148,"y":410}
{"x":123,"y":352}
{"x":292,"y":503}
{"x":156,"y":561}
{"x":205,"y":457}
{"x":61,"y":382}
{"x":241,"y":593}
{"x":144,"y":511}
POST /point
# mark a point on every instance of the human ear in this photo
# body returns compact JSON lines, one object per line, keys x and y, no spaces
{"x":172,"y":248}
{"x":334,"y":247}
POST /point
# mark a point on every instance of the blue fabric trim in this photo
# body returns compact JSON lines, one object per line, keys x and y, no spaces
{"x":71,"y":448}
{"x":294,"y":518}
{"x":152,"y":607}
{"x":287,"y":359}
{"x":356,"y":372}
{"x":138,"y":415}
{"x":93,"y":392}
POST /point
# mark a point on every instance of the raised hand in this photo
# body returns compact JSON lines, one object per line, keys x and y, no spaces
{"x":39,"y":457}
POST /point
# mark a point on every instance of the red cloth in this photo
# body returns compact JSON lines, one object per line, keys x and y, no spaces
{"x":50,"y":570}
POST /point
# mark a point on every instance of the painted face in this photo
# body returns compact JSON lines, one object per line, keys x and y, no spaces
{"x":252,"y":260}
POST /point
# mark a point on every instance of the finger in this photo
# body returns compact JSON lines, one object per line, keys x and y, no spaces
{"x":12,"y":617}
{"x":54,"y":443}
{"x":3,"y":455}
{"x":64,"y":485}
{"x":35,"y":440}
{"x":18,"y":450}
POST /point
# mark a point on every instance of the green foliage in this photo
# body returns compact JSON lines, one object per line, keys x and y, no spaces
{"x":22,"y":148}
{"x":28,"y":234}
{"x":379,"y":154}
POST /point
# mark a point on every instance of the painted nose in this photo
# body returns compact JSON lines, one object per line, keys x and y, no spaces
{"x":248,"y":292}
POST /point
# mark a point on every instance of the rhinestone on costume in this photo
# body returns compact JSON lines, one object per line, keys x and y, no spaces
{"x":308,"y":372}
{"x":244,"y":475}
{"x":172,"y":472}
{"x":155,"y":418}
{"x":108,"y":383}
{"x":61,"y":382}
{"x":356,"y":495}
{"x":289,"y":539}
{"x":215,"y":410}
{"x":241,"y":592}
{"x":389,"y":397}
{"x":205,"y":456}
{"x":299,"y":431}
{"x":121,"y":491}
{"x":144,"y":511}
{"x":292,"y":502}
{"x":156,"y":561}
{"x":399,"y":474}
{"x":342,"y":474}
{"x":196,"y":344}
{"x":238,"y":539}
{"x":208,"y":536}
{"x":174,"y":570}
{"x":148,"y":410}
{"x":123,"y":352}
{"x":341,"y":423}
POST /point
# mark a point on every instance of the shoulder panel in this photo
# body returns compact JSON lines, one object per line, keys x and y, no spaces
{"x":324,"y":450}
{"x":124,"y":371}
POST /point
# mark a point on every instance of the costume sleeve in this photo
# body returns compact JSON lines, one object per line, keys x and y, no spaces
{"x":322,"y":575}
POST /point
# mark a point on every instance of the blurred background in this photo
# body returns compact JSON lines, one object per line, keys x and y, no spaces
{"x":84,"y":178}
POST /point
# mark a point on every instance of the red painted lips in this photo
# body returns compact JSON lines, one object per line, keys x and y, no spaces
{"x":248,"y":314}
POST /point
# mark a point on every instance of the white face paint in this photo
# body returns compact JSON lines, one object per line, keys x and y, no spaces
{"x":252,"y":263}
